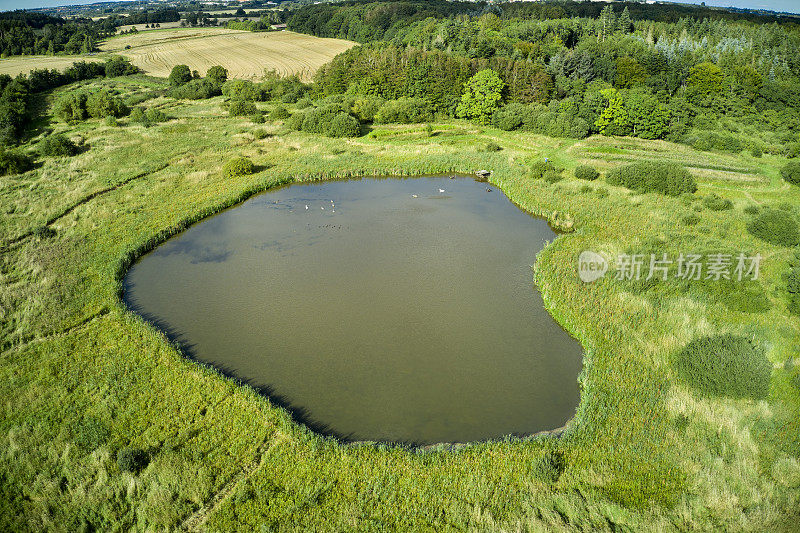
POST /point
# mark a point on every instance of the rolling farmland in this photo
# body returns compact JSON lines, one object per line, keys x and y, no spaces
{"x":244,"y":54}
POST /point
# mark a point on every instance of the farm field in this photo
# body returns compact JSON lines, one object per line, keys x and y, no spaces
{"x":24,"y":64}
{"x":245,"y":54}
{"x":83,"y":377}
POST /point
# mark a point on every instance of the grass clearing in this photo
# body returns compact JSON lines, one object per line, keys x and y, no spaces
{"x":82,"y":378}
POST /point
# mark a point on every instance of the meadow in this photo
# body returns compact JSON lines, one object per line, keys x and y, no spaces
{"x":245,"y":54}
{"x":83,"y":381}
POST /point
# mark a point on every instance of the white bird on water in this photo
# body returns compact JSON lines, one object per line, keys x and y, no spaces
{"x":441,"y":190}
{"x":306,"y":206}
{"x":413,"y":196}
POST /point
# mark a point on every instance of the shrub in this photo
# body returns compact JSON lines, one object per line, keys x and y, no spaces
{"x":180,"y":75}
{"x":492,"y":147}
{"x":715,"y":203}
{"x":131,"y":459}
{"x":775,"y":227}
{"x":242,"y":90}
{"x":119,"y":66}
{"x":304,"y":103}
{"x":217,"y":74}
{"x":653,"y":176}
{"x":756,"y":151}
{"x":14,"y":162}
{"x":752,"y":209}
{"x":295,"y":122}
{"x":279,"y":113}
{"x":112,"y":121}
{"x":509,"y":118}
{"x":725,"y":365}
{"x":792,"y":150}
{"x":793,"y":284}
{"x":366,"y":107}
{"x":343,"y":125}
{"x":551,"y":465}
{"x":257,"y":118}
{"x":791,"y":172}
{"x":539,"y":168}
{"x":137,"y":115}
{"x":239,"y":166}
{"x":102,"y":104}
{"x":71,"y":107}
{"x":261,"y":134}
{"x":403,"y":111}
{"x":585,"y":172}
{"x":552,"y":176}
{"x":242,"y":108}
{"x":154,"y":115}
{"x":58,"y":145}
{"x":196,"y":90}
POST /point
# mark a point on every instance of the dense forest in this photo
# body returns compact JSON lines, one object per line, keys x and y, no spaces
{"x":30,"y":33}
{"x":713,"y":78}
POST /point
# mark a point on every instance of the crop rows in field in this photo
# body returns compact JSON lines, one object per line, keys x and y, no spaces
{"x":245,"y":54}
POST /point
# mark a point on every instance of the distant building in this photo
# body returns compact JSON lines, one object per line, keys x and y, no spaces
{"x":278,"y":26}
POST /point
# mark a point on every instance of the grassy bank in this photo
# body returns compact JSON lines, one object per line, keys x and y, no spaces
{"x":82,"y":378}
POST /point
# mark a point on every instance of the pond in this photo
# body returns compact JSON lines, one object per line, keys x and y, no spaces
{"x":399,"y":310}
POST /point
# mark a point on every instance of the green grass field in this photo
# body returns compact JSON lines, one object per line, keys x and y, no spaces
{"x":81,"y":377}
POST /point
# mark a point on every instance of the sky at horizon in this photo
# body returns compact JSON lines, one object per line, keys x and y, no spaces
{"x":791,"y":6}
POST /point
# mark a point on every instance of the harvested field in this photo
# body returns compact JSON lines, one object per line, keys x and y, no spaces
{"x":245,"y":54}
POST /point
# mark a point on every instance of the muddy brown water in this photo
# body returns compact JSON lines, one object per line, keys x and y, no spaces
{"x":399,"y":310}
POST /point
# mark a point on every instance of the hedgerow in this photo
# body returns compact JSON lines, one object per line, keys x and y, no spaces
{"x":660,"y":177}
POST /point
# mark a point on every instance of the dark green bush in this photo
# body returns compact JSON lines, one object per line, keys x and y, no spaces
{"x":725,"y":365}
{"x":295,"y":122}
{"x":304,"y":103}
{"x":756,"y":151}
{"x":243,"y":90}
{"x":71,"y":107}
{"x":792,"y":150}
{"x":258,"y":118}
{"x":58,"y":145}
{"x":279,"y":113}
{"x":791,"y":172}
{"x":180,"y":75}
{"x":239,"y":166}
{"x":119,"y":66}
{"x":492,"y":147}
{"x":154,"y":115}
{"x":103,"y":104}
{"x":137,"y":115}
{"x":261,"y":134}
{"x":669,"y":179}
{"x":711,"y":140}
{"x":404,"y":111}
{"x":242,"y":108}
{"x":343,"y":125}
{"x":752,"y":209}
{"x":551,"y":465}
{"x":539,"y":168}
{"x":217,"y":74}
{"x":775,"y":227}
{"x":716,"y":203}
{"x":585,"y":172}
{"x":196,"y":90}
{"x":14,"y":162}
{"x":131,"y":460}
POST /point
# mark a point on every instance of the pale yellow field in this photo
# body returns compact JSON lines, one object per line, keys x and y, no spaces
{"x":245,"y":54}
{"x":24,"y":64}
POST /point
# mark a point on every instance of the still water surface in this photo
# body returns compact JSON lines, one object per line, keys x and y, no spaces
{"x":383,"y":309}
